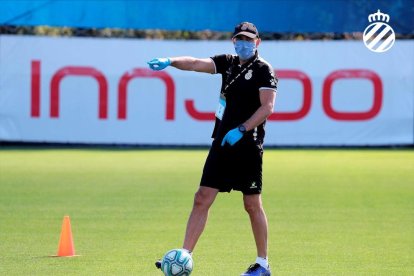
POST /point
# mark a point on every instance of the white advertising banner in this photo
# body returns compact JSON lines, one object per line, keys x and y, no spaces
{"x":97,"y":90}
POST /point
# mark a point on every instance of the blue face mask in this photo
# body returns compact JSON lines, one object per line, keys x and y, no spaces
{"x":245,"y":49}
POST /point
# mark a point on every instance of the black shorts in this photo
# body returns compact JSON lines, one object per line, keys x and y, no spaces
{"x":237,"y":167}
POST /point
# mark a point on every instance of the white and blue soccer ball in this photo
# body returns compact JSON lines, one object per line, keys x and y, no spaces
{"x":177,"y":262}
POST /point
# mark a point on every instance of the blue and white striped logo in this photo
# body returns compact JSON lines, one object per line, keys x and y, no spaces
{"x":379,"y":36}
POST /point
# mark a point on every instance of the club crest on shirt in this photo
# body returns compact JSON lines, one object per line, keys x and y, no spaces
{"x":248,"y":75}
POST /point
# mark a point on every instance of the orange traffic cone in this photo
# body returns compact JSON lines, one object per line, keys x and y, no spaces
{"x":66,"y":247}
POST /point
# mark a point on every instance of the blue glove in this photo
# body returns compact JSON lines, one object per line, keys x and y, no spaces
{"x":232,"y":137}
{"x":158,"y":64}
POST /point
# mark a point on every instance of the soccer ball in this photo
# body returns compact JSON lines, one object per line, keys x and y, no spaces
{"x":177,"y":262}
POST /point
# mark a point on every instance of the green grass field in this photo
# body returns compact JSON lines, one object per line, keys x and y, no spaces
{"x":330,"y":212}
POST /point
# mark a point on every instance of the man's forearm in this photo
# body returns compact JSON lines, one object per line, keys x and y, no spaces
{"x":205,"y":65}
{"x":184,"y":63}
{"x":258,"y":117}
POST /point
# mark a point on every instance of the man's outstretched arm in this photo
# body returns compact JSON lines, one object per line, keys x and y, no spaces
{"x":187,"y":63}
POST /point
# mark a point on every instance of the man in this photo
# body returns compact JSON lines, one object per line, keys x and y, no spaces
{"x":234,"y":161}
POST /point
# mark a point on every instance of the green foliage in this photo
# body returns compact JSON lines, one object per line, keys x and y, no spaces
{"x":330,"y":212}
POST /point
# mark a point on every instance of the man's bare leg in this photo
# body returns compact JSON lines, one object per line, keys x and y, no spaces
{"x":253,"y":206}
{"x":203,"y":199}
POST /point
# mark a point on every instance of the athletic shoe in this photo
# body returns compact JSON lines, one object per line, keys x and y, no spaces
{"x":158,"y":264}
{"x":257,"y":270}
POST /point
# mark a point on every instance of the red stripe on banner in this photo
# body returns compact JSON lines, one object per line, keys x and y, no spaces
{"x":146,"y":73}
{"x":35,"y":89}
{"x":349,"y":74}
{"x":194,"y":113}
{"x":78,"y":71}
{"x":307,"y":96}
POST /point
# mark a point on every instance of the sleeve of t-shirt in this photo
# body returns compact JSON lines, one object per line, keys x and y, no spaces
{"x":222,"y":63}
{"x":267,"y":79}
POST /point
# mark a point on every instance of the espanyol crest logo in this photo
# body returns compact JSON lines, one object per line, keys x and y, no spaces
{"x":248,"y":75}
{"x":379,"y":36}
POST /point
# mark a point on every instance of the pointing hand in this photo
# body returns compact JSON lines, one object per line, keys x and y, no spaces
{"x":158,"y":64}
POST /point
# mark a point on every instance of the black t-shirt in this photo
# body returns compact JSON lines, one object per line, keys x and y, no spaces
{"x":242,"y":94}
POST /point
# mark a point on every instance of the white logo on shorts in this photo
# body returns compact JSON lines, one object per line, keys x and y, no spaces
{"x":253,"y":185}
